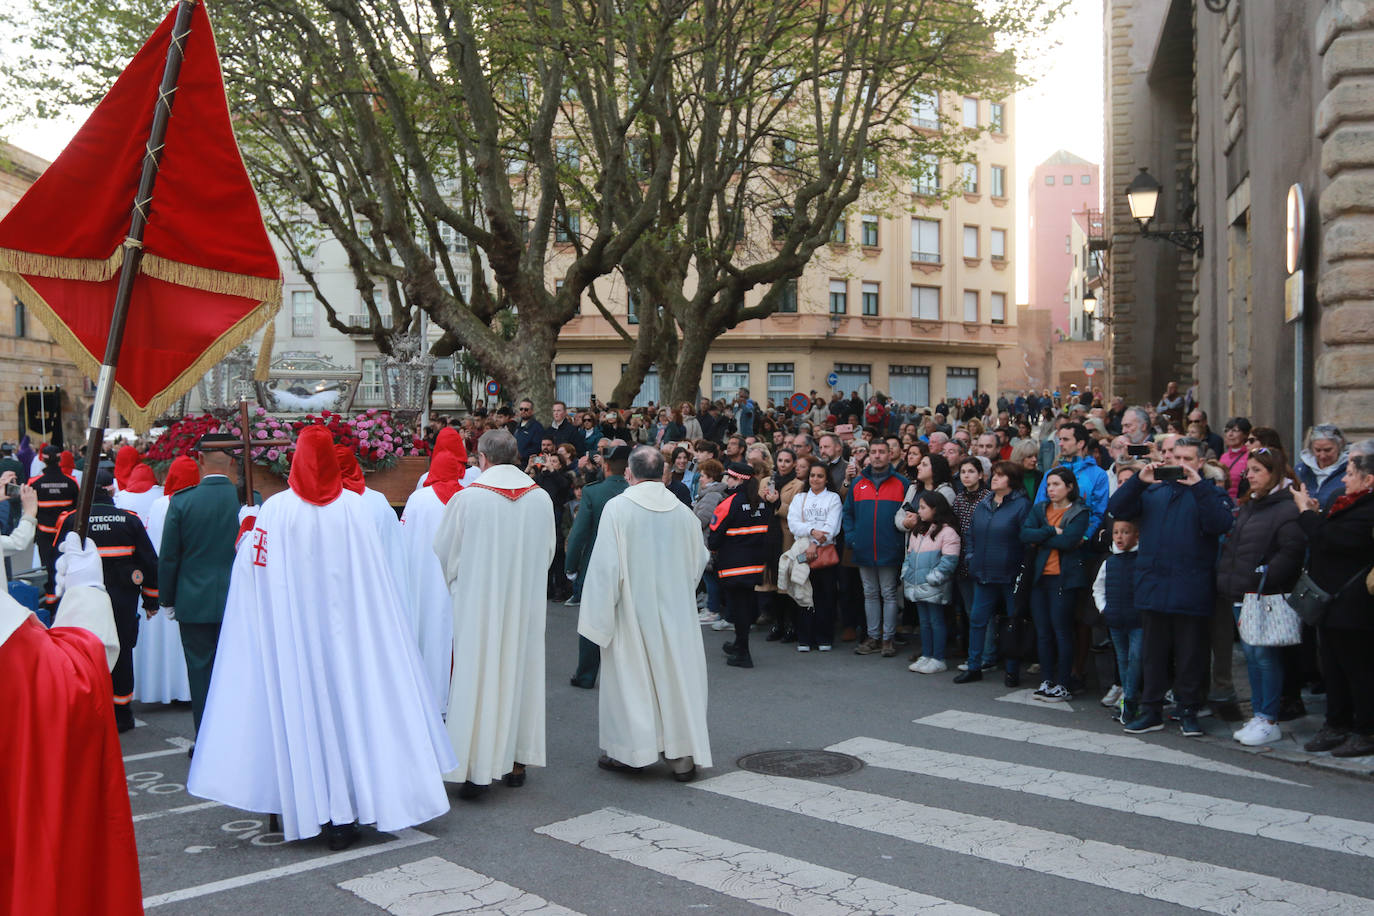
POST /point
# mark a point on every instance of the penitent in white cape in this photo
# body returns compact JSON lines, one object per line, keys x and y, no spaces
{"x":318,"y":708}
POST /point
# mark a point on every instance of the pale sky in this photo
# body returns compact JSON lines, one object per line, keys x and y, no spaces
{"x":1062,"y":110}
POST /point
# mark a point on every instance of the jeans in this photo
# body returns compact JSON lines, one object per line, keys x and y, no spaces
{"x":1264,"y":664}
{"x":1129,"y":644}
{"x":1052,"y":610}
{"x":882,"y":602}
{"x":714,"y":602}
{"x":988,"y":599}
{"x":933,"y":634}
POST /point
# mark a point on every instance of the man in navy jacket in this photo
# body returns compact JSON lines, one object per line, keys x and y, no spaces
{"x":1175,"y":576}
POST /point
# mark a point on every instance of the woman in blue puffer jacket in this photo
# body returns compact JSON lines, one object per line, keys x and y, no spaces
{"x":928,"y":576}
{"x":994,"y":556}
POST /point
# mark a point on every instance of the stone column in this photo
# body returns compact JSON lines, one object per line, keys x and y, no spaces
{"x":1345,"y":285}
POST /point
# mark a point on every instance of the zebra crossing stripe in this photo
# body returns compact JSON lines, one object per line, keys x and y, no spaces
{"x":436,"y":885}
{"x":1319,"y":831}
{"x":762,"y":878}
{"x":1088,"y":742}
{"x":1185,"y":882}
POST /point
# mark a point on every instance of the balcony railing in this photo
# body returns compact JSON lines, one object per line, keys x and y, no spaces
{"x":364,"y":321}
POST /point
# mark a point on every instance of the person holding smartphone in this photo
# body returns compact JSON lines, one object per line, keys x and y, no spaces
{"x":20,"y":536}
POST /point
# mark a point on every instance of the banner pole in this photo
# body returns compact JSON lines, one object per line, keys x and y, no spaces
{"x":133,"y":256}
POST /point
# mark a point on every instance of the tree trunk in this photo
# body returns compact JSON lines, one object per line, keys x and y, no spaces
{"x":691,"y":359}
{"x":529,"y":372}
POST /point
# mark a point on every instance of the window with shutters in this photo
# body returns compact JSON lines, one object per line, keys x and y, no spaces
{"x":839,"y":297}
{"x":971,"y":305}
{"x":970,"y":241}
{"x":869,"y":292}
{"x":925,"y":303}
{"x":925,"y":240}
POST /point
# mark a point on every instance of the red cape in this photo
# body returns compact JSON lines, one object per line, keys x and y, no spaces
{"x":141,"y":479}
{"x":66,"y":831}
{"x":183,"y":473}
{"x":126,"y":459}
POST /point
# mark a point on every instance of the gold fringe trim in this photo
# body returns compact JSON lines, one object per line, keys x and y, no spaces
{"x":141,"y":417}
{"x":47,"y":265}
{"x":263,"y":370}
{"x":263,"y":289}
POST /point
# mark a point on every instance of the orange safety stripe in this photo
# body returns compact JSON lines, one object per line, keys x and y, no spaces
{"x":48,"y":529}
{"x":150,"y":592}
{"x":753,"y":529}
{"x":738,"y":571}
{"x":49,"y":503}
{"x":116,"y":551}
{"x":123,"y":700}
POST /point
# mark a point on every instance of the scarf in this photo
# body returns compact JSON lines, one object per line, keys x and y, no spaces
{"x":1346,"y":500}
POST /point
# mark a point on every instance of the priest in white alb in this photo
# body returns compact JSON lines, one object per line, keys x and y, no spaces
{"x":430,"y":605}
{"x":318,"y":707}
{"x":639,"y":605}
{"x":495,"y":543}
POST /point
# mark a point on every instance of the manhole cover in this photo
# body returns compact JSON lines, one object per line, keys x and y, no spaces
{"x":799,"y":763}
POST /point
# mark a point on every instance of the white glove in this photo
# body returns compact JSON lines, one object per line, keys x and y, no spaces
{"x":171,"y":612}
{"x":247,"y":512}
{"x":78,"y":566}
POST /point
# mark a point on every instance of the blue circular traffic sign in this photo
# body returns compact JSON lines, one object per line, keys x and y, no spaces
{"x":493,"y":388}
{"x":832,"y":379}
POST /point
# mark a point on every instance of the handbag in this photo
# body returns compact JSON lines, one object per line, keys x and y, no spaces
{"x":1268,"y":620}
{"x":1311,"y":601}
{"x":821,"y":556}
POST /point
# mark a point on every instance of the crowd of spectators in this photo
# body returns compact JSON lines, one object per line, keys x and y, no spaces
{"x":1134,"y":531}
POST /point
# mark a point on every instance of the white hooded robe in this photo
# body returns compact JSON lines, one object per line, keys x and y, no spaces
{"x":639,"y":605}
{"x":159,"y":661}
{"x":430,"y":606}
{"x":496,"y":541}
{"x":318,"y":708}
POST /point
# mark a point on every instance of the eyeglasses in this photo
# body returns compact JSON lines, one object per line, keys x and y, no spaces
{"x":1250,"y":439}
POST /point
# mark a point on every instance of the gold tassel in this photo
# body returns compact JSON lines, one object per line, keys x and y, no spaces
{"x":261,"y":289}
{"x":264,"y":366}
{"x":46,"y":265}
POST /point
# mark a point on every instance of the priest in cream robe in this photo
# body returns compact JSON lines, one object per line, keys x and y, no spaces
{"x":639,"y":605}
{"x":318,"y":708}
{"x":430,"y":606}
{"x":496,"y":543}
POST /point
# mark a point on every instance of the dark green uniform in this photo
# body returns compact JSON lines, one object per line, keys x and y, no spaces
{"x":580,"y":542}
{"x":194,"y":561}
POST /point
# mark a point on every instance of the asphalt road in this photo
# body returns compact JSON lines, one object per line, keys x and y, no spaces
{"x":987,"y":804}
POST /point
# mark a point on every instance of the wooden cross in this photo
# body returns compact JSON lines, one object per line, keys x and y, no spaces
{"x":249,"y":443}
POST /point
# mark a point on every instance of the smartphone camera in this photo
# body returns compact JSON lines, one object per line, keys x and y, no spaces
{"x":1138,"y":451}
{"x":1169,"y":472}
{"x":11,"y":490}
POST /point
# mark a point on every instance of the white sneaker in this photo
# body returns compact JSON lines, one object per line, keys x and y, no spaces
{"x":963,"y":666}
{"x":823,"y":648}
{"x":1056,"y":694}
{"x":1244,"y":730}
{"x":801,"y":648}
{"x":919,"y":665}
{"x":1261,"y":732}
{"x":722,"y":625}
{"x":1113,"y":696}
{"x":934,"y":666}
{"x":1043,"y":690}
{"x":707,"y":617}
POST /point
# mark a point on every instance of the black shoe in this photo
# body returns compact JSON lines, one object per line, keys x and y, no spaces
{"x":471,"y":790}
{"x":740,"y":661}
{"x":1011,"y":680}
{"x":576,"y":683}
{"x":1291,"y":708}
{"x":774,"y":633}
{"x":964,"y":677}
{"x":615,"y":766}
{"x":1355,"y":746}
{"x":191,"y":752}
{"x":124,"y":719}
{"x":515,"y":778}
{"x":728,"y":647}
{"x":688,"y":776}
{"x":789,"y":635}
{"x":342,"y":836}
{"x":1327,"y":739}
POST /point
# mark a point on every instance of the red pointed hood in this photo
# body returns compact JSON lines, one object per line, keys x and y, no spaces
{"x":183,"y":473}
{"x":315,"y":474}
{"x":125,"y":461}
{"x":449,"y":440}
{"x":67,"y":461}
{"x":445,"y":475}
{"x":350,"y":472}
{"x":141,"y":479}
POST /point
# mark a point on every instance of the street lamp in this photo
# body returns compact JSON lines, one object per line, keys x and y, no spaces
{"x":1142,"y":197}
{"x":1090,"y":308}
